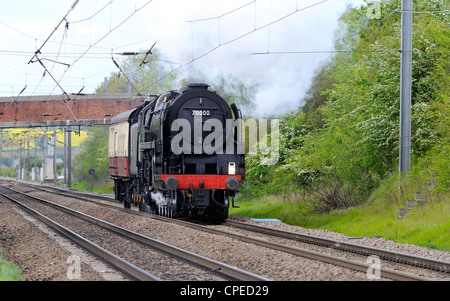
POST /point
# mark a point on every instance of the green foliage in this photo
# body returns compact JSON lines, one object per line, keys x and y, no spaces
{"x":346,"y":140}
{"x":274,"y":179}
{"x":8,"y":271}
{"x":6,"y":172}
{"x":93,"y":155}
{"x":317,"y":95}
{"x":101,"y":188}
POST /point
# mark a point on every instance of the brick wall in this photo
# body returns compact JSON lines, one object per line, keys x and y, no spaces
{"x":44,"y":108}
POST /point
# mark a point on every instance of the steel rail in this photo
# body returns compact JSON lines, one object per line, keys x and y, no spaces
{"x":71,"y":193}
{"x":221,"y":269}
{"x":413,"y":260}
{"x":122,"y":265}
{"x":358,"y":266}
{"x":347,"y":247}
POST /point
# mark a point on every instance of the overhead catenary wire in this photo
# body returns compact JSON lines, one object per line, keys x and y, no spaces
{"x":254,"y":30}
{"x":92,"y":45}
{"x":38,"y":51}
{"x":74,"y":56}
{"x":36,"y":40}
{"x":338,"y":40}
{"x":62,"y":89}
{"x":19,"y":31}
{"x":93,"y":55}
{"x":108,"y":33}
{"x":323,"y":51}
{"x":56,"y":28}
{"x":264,"y":26}
{"x":224,"y":14}
{"x":95,"y":14}
{"x":392,"y":13}
{"x":362,"y":30}
{"x":112,"y":30}
{"x":291,"y":52}
{"x":126,"y":77}
{"x":194,"y":59}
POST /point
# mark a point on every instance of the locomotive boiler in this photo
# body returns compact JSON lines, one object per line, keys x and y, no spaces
{"x":179,"y":155}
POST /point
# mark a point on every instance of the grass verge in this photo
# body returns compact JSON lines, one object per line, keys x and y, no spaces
{"x":427,"y":224}
{"x":9,"y":271}
{"x":101,"y":188}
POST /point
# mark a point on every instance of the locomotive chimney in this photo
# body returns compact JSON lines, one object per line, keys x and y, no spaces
{"x":198,"y":86}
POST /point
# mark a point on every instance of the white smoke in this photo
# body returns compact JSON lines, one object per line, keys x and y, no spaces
{"x":159,"y":199}
{"x":282,"y":80}
{"x":118,"y":27}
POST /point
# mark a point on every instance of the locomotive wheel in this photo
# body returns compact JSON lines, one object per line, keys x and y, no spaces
{"x":165,"y":211}
{"x":145,"y":208}
{"x":169,"y":209}
{"x":127,"y":201}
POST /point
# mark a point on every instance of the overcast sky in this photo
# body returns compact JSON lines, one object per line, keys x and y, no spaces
{"x":225,"y":42}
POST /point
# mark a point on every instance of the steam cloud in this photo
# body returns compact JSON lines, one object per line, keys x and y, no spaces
{"x":158,"y":198}
{"x":281,"y":79}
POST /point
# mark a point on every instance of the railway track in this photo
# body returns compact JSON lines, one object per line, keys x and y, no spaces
{"x":251,"y":232}
{"x":395,"y":260}
{"x":319,"y":254}
{"x":140,"y":246}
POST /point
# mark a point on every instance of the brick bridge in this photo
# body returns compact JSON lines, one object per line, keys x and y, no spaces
{"x":58,"y":111}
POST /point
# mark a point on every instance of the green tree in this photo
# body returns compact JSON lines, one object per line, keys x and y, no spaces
{"x":93,"y":155}
{"x":351,"y":112}
{"x":358,"y":144}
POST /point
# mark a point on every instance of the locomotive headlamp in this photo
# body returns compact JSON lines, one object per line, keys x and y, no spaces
{"x":231,"y":168}
{"x":232,"y":183}
{"x":171,"y":183}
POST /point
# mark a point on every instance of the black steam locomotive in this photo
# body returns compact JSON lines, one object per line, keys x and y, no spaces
{"x":179,"y":155}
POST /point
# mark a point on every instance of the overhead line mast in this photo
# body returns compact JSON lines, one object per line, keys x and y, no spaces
{"x":405,"y":88}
